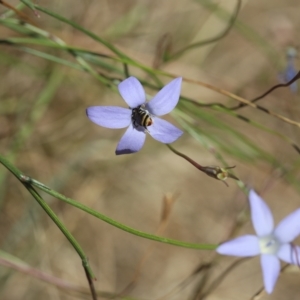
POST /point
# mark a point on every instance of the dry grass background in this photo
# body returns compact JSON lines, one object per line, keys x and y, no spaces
{"x":70,"y":154}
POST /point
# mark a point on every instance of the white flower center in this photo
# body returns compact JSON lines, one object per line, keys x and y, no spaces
{"x":269,"y":244}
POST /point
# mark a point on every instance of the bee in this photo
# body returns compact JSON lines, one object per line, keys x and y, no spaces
{"x":141,"y":117}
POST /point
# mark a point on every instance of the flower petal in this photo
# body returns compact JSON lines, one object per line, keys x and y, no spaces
{"x":289,"y":228}
{"x":246,"y":245}
{"x":290,"y":254}
{"x":132,"y":141}
{"x":166,"y":99}
{"x":261,"y":215}
{"x":109,"y":116}
{"x":132,"y":92}
{"x":164,"y":131}
{"x":270,"y":268}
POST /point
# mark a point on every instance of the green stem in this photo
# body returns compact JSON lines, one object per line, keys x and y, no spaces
{"x":61,"y":226}
{"x":119,"y":225}
{"x":96,"y":214}
{"x":25,"y":180}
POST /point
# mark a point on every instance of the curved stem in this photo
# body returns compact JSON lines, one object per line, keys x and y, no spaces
{"x":120,"y":225}
{"x":30,"y":181}
{"x":25,"y":180}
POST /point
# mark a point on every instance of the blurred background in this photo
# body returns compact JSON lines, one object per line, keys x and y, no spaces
{"x":44,"y":132}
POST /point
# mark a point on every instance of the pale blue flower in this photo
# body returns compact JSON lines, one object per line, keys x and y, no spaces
{"x":290,"y":71}
{"x":270,"y":243}
{"x":141,"y":116}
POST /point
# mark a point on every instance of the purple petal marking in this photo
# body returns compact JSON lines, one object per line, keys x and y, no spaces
{"x":261,"y":215}
{"x":109,"y":116}
{"x":289,"y":228}
{"x":289,"y":254}
{"x":166,"y":99}
{"x":243,"y":246}
{"x":270,"y":268}
{"x":132,"y":141}
{"x":164,"y":131}
{"x":132,"y":92}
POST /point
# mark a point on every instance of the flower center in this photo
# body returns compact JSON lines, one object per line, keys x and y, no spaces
{"x":141,"y":117}
{"x":269,"y":244}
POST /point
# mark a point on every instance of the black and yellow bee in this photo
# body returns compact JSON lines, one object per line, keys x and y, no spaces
{"x":141,"y":117}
